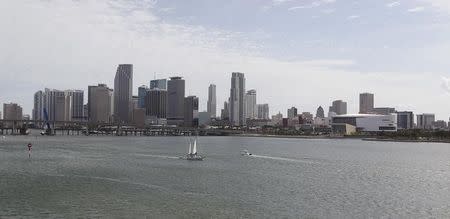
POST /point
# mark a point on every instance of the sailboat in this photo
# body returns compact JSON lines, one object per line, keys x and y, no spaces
{"x":192,"y":152}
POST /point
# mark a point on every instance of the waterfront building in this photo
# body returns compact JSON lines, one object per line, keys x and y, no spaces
{"x":292,"y":113}
{"x":175,"y":101}
{"x":263,"y":111}
{"x":123,"y":93}
{"x":204,"y":118}
{"x":76,"y":105}
{"x":38,"y":106}
{"x":191,"y":111}
{"x":12,"y":111}
{"x":156,"y":103}
{"x":307,"y":117}
{"x":212,"y":102}
{"x":225,"y":113}
{"x":99,"y":104}
{"x":237,"y":100}
{"x":425,"y":121}
{"x":366,"y":103}
{"x":405,"y":120}
{"x":251,"y":108}
{"x":142,"y":93}
{"x":339,"y":107}
{"x":277,"y":119}
{"x":440,"y":124}
{"x":320,"y":112}
{"x":367,"y":122}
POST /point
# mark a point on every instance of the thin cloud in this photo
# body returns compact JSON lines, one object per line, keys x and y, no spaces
{"x":416,"y":9}
{"x":353,"y":17}
{"x":393,"y":4}
{"x":313,"y":4}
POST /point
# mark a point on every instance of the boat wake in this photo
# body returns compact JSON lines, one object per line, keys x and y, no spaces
{"x":305,"y":160}
{"x":157,"y":156}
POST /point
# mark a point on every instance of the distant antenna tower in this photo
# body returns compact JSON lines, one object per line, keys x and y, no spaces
{"x":154,"y":75}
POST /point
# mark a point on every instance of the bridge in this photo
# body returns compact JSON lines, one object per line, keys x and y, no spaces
{"x":21,"y":127}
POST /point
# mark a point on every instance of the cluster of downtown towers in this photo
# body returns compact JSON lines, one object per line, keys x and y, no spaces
{"x":164,"y":102}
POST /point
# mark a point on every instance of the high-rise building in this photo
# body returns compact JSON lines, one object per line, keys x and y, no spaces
{"x":99,"y":104}
{"x":237,"y":100}
{"x":405,"y":120}
{"x":425,"y":121}
{"x":225,"y":113}
{"x":156,"y":103}
{"x":191,"y":111}
{"x":123,"y":93}
{"x":38,"y":106}
{"x":292,"y":113}
{"x":212,"y":104}
{"x":339,"y":107}
{"x":263,"y":111}
{"x":366,"y":103}
{"x":158,"y":84}
{"x":142,"y":92}
{"x":76,"y":98}
{"x":175,"y":101}
{"x":251,"y":108}
{"x":12,"y":111}
{"x":320,"y":112}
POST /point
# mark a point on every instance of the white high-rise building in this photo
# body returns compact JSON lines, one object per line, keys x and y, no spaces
{"x":237,"y":100}
{"x":252,"y":110}
{"x":212,"y":103}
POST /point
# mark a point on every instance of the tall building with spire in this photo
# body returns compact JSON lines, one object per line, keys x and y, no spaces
{"x":212,"y":103}
{"x":237,"y":100}
{"x":123,"y":93}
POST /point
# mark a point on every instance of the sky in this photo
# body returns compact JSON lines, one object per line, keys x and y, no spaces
{"x":302,"y":53}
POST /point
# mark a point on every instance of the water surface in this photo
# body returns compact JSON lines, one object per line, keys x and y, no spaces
{"x":286,"y":178}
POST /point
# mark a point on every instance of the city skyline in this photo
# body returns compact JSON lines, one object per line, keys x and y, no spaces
{"x":401,"y":74}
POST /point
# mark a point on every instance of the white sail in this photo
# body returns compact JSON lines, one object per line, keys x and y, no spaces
{"x":194,"y":150}
{"x":190,"y":148}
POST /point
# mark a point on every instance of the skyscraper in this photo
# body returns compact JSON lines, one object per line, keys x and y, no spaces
{"x":191,"y":111}
{"x":38,"y":106}
{"x":212,"y":104}
{"x":175,"y":101}
{"x":156,"y":103}
{"x":251,"y":108}
{"x":99,"y":104}
{"x":123,"y":93}
{"x":425,"y":121}
{"x":339,"y":107}
{"x":12,"y":111}
{"x":263,"y":111}
{"x":405,"y":120}
{"x":320,"y":112}
{"x":292,"y":113}
{"x":159,"y":84}
{"x":225,"y":113}
{"x":76,"y":98}
{"x":142,"y":92}
{"x":366,"y":103}
{"x":237,"y":100}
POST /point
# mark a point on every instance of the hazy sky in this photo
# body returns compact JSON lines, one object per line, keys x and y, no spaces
{"x":302,"y":53}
